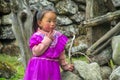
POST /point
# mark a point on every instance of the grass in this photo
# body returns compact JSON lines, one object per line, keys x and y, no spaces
{"x":16,"y":64}
{"x":13,"y":60}
{"x":82,"y":58}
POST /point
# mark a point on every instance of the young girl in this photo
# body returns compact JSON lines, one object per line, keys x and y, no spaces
{"x":47,"y":46}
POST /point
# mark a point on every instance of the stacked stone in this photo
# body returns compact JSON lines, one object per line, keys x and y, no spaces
{"x":7,"y":38}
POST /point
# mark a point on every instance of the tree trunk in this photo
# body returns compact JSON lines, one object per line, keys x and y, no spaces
{"x":22,"y":27}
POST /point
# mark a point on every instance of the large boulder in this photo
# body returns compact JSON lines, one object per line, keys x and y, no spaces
{"x":116,"y":49}
{"x":115,"y":75}
{"x":88,"y":71}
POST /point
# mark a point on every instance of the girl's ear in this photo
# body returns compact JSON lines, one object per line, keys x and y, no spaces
{"x":39,"y":23}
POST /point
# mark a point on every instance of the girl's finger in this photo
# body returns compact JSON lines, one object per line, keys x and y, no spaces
{"x":50,"y":33}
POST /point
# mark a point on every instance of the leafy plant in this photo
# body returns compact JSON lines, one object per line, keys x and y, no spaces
{"x":13,"y":60}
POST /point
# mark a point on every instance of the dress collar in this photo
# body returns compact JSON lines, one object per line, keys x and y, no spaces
{"x":44,"y":32}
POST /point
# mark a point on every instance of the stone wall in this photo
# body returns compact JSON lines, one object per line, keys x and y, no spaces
{"x":70,"y":14}
{"x":7,"y":38}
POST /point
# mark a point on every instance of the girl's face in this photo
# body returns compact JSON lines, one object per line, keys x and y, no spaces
{"x":48,"y":22}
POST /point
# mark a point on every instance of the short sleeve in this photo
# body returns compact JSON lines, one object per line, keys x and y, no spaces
{"x":35,"y":40}
{"x":62,"y":41}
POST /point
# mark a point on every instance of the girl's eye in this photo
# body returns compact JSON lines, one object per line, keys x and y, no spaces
{"x":54,"y":21}
{"x":49,"y":21}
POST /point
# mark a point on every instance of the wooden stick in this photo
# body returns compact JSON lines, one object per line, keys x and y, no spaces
{"x":69,"y":53}
{"x":80,"y":53}
{"x":104,"y":44}
{"x":107,"y":36}
{"x":101,"y":47}
{"x":101,"y":19}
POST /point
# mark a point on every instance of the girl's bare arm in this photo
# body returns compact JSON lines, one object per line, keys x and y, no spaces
{"x":64,"y":64}
{"x":41,"y":47}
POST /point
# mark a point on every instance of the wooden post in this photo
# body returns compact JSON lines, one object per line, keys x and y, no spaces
{"x":96,"y":8}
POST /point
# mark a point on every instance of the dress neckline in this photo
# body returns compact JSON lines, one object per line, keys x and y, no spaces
{"x":44,"y":32}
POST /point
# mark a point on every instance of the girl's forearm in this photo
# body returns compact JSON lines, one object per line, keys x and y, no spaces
{"x":64,"y":64}
{"x":62,"y":59}
{"x":41,"y":48}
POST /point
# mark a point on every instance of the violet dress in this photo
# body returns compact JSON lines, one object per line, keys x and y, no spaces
{"x":46,"y":66}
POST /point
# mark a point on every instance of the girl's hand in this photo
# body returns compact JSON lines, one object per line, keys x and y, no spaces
{"x":68,"y":67}
{"x":50,"y":35}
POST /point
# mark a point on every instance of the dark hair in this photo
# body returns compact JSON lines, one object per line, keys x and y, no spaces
{"x":38,"y":16}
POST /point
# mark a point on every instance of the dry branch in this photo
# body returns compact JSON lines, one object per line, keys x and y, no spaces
{"x":107,"y":36}
{"x":104,"y":44}
{"x":101,"y":19}
{"x":70,"y":55}
{"x":101,"y":47}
